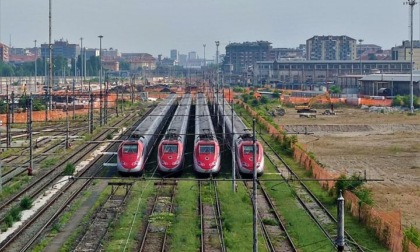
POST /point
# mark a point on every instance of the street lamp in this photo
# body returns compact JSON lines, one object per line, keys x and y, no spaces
{"x":100,"y":79}
{"x":411,"y":3}
{"x":360,"y":55}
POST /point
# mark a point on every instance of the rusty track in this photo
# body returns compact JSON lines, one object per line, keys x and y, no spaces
{"x":155,"y":232}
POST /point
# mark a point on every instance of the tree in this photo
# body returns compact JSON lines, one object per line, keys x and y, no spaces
{"x":335,"y":90}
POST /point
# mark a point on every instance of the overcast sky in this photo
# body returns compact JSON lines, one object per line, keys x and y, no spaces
{"x":156,"y":26}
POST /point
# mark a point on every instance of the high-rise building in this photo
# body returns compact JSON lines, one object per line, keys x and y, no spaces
{"x":241,"y":56}
{"x":174,"y":54}
{"x":331,"y":48}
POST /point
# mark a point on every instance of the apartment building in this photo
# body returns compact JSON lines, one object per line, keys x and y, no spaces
{"x":331,"y":48}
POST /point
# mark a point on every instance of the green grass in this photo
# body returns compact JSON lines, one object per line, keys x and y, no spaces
{"x":13,"y":186}
{"x":185,"y":232}
{"x":47,"y":163}
{"x":237,"y":218}
{"x":125,"y":232}
{"x":304,"y":232}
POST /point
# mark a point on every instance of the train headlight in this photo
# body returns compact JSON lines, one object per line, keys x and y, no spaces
{"x":176,"y":162}
{"x":213,"y":163}
{"x":135,"y":163}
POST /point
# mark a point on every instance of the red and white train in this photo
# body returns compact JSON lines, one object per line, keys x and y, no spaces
{"x":133,"y":153}
{"x":206,"y":147}
{"x":172,"y":146}
{"x":240,"y":137}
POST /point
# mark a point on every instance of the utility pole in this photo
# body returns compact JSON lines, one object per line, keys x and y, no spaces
{"x":411,"y":3}
{"x":217,"y":78}
{"x":36,"y":70}
{"x":100,"y":80}
{"x":254,"y":187}
{"x":74,"y":86}
{"x":233,"y":153}
{"x":67,"y":118}
{"x":31,"y":160}
{"x":360,"y":56}
{"x":50,"y":83}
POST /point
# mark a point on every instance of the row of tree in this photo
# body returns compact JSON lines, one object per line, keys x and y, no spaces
{"x":61,"y":66}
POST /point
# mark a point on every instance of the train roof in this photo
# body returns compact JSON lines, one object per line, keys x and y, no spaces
{"x":146,"y":126}
{"x":180,"y":118}
{"x":238,"y":125}
{"x":203,"y":124}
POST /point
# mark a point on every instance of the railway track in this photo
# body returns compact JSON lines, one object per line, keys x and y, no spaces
{"x":154,"y":236}
{"x":41,"y":184}
{"x":273,"y":229}
{"x":210,"y":217}
{"x":16,"y":166}
{"x":98,"y":227}
{"x":326,"y":222}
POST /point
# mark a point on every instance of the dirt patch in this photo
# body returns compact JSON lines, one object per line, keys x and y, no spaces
{"x":382,"y":146}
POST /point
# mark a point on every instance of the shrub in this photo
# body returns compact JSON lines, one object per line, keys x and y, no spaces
{"x":69,"y":170}
{"x":26,"y":203}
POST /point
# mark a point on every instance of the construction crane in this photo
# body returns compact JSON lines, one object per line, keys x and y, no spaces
{"x":306,"y":107}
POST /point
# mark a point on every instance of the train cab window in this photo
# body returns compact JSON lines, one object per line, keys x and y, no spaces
{"x":248,"y":149}
{"x":130,"y":148}
{"x":170,"y":148}
{"x":206,"y":148}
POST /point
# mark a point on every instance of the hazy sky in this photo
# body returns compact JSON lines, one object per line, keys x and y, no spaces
{"x":156,"y":26}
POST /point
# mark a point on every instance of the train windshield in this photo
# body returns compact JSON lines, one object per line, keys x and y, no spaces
{"x":170,"y":148}
{"x":249,"y":149}
{"x":130,"y":148}
{"x":206,"y":148}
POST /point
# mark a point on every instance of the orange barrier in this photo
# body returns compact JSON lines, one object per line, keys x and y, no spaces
{"x":387,"y":225}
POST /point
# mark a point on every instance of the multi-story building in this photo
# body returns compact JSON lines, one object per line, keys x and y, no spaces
{"x":241,"y":56}
{"x":139,"y":61}
{"x":4,"y":53}
{"x":174,"y":54}
{"x":402,"y":52}
{"x":61,"y":47}
{"x":331,"y":48}
{"x":325,"y":71}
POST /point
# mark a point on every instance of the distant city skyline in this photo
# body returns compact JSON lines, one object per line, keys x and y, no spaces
{"x":156,"y":27}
